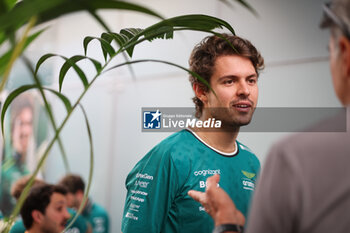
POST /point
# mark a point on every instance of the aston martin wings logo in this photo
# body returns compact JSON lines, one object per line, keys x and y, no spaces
{"x":249,"y":175}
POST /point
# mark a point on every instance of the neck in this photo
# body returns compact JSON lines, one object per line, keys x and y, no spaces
{"x":221,"y":139}
{"x":34,"y":229}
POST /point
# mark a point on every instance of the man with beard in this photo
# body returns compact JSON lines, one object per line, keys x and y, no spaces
{"x":45,"y":209}
{"x":80,"y":225}
{"x":157,"y":199}
{"x":304,"y":186}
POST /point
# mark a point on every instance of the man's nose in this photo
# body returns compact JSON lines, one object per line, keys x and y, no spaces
{"x":66,"y":214}
{"x":243,"y":89}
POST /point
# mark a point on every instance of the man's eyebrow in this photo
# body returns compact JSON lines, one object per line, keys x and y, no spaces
{"x":235,"y":76}
{"x":60,"y":202}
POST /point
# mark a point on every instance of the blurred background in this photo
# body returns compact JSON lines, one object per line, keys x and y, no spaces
{"x":296,"y":75}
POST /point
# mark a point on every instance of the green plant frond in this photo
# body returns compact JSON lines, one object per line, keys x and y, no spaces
{"x":6,"y":5}
{"x":10,"y":3}
{"x":128,"y":35}
{"x":49,"y":109}
{"x":248,"y":6}
{"x":25,"y":88}
{"x":17,"y":50}
{"x":244,"y":3}
{"x":105,"y":45}
{"x":91,"y":169}
{"x":163,"y":32}
{"x":3,"y":6}
{"x":198,"y":22}
{"x":108,"y":38}
{"x":4,"y":59}
{"x":165,"y":29}
{"x":47,"y":10}
{"x":24,"y":10}
{"x":71,"y":62}
{"x":3,"y":38}
{"x":42,"y":59}
{"x":122,"y":5}
{"x":64,"y":69}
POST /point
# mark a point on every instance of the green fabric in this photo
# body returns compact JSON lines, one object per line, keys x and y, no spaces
{"x":18,"y":227}
{"x":79,"y":226}
{"x":97,"y":216}
{"x":157,"y":199}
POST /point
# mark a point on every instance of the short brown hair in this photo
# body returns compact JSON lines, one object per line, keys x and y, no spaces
{"x":73,"y":183}
{"x":21,"y":183}
{"x":38,"y":198}
{"x":204,"y":55}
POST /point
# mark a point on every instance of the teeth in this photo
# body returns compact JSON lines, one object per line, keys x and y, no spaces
{"x":242,"y":106}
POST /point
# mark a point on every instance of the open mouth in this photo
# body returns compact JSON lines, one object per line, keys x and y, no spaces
{"x":63,"y":224}
{"x":242,"y":107}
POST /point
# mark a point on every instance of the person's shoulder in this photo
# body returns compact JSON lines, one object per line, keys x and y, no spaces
{"x":317,"y":142}
{"x":99,"y":209}
{"x":80,"y":221}
{"x":176,"y":138}
{"x":18,"y":226}
{"x":175,"y":142}
{"x":313,"y":140}
{"x":243,"y":149}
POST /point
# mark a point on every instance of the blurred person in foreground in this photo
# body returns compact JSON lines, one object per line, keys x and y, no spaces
{"x":304,"y":186}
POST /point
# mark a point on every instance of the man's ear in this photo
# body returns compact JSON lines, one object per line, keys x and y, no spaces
{"x":37,"y":216}
{"x":344,"y":49}
{"x":200,"y":92}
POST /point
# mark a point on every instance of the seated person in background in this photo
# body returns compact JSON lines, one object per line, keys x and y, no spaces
{"x":45,"y":209}
{"x":18,"y":187}
{"x":95,"y":214}
{"x":80,"y":225}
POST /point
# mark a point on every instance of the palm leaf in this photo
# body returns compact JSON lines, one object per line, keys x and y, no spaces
{"x":105,"y":45}
{"x":91,"y":169}
{"x":48,"y":109}
{"x":69,"y":62}
{"x":25,"y":88}
{"x":128,"y":38}
{"x":48,"y":10}
{"x":4,"y":59}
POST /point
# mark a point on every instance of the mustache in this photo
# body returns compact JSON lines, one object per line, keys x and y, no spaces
{"x":234,"y":102}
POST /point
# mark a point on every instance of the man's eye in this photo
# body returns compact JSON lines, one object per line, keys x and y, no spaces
{"x":252,"y":80}
{"x":228,"y":81}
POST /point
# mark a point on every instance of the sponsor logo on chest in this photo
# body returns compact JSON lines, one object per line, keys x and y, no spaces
{"x":247,"y":180}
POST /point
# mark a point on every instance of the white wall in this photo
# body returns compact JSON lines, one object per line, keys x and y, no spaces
{"x":296,"y":75}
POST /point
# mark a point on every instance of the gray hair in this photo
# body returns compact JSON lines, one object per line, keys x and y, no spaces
{"x":337,"y":18}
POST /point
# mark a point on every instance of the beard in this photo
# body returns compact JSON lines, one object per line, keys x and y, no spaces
{"x":231,"y":118}
{"x":50,"y":226}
